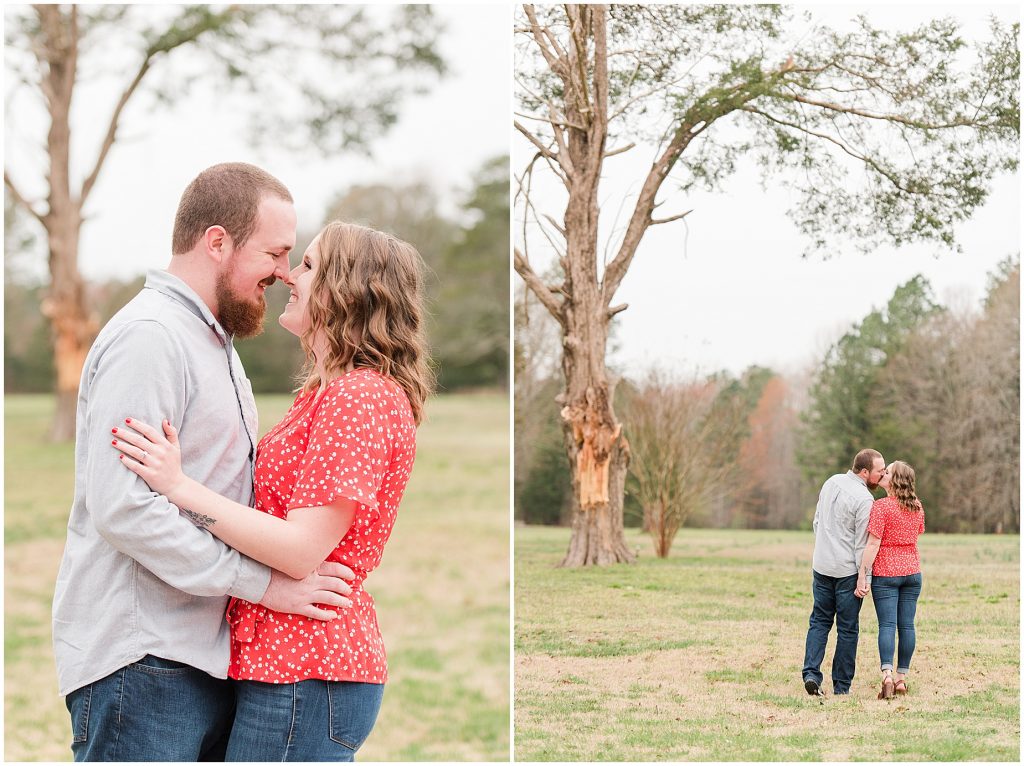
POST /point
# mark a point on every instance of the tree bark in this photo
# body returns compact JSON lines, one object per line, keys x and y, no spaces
{"x":598,"y":456}
{"x":72,"y":325}
{"x":597,"y":533}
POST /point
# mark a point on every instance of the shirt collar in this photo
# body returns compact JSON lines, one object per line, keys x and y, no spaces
{"x":175,"y":288}
{"x":858,"y":478}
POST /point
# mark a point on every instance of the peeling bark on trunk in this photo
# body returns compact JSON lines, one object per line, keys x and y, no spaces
{"x":597,"y":532}
{"x":598,"y":452}
{"x":74,"y":330}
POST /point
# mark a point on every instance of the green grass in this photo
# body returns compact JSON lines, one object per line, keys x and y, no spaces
{"x":441,"y":591}
{"x":698,"y":656}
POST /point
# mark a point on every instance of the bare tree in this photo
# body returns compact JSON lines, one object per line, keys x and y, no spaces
{"x":244,"y":45}
{"x":706,"y":85}
{"x":684,"y":437}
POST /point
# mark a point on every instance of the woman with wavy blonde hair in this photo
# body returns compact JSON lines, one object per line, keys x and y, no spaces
{"x":895,"y":565}
{"x":328,"y":480}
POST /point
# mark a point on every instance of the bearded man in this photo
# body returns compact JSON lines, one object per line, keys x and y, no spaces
{"x":140,"y":637}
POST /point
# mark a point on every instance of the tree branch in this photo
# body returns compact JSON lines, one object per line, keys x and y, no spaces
{"x":110,"y":137}
{"x":553,"y":222}
{"x":543,"y":38}
{"x":524,"y":189}
{"x":19,"y":198}
{"x":659,"y":221}
{"x":576,"y":14}
{"x":165,"y":44}
{"x":544,"y":151}
{"x":871,"y":116}
{"x":641,"y":217}
{"x":543,"y":291}
{"x":825,"y":137}
{"x":620,"y":150}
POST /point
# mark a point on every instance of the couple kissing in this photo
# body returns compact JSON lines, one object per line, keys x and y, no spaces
{"x":861,"y":545}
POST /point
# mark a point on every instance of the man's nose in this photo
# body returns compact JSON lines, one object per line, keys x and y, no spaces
{"x":281,"y":268}
{"x":289,"y":277}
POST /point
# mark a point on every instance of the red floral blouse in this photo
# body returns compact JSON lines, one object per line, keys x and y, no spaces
{"x":898,"y":530}
{"x":356,"y":441}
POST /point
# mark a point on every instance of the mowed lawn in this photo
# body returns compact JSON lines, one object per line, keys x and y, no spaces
{"x":698,"y":656}
{"x":442,"y":590}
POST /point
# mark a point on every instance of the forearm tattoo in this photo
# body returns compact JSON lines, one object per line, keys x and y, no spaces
{"x":199,"y":519}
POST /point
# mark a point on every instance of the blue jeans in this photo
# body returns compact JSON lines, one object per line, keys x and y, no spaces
{"x":152,"y":710}
{"x":833,"y":602}
{"x":896,"y":604}
{"x":306,"y":721}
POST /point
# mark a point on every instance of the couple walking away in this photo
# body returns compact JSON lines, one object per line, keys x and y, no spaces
{"x":861,"y":544}
{"x":195,"y":555}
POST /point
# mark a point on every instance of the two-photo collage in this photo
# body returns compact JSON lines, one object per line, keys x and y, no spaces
{"x":512,"y":383}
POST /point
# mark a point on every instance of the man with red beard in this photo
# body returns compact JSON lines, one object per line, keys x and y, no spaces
{"x":140,"y":636}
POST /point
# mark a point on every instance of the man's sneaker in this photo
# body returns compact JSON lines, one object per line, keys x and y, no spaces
{"x":812,"y":687}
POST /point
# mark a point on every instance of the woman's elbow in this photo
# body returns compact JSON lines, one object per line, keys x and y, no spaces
{"x":299,"y":569}
{"x":300,"y":563}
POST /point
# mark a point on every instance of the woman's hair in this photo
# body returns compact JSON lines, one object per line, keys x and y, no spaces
{"x":367,"y":301}
{"x":902,"y":483}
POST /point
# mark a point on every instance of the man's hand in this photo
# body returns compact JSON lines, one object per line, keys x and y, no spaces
{"x":324,"y":586}
{"x":862,"y":586}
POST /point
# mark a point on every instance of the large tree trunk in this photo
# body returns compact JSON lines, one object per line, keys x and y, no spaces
{"x":72,"y":325}
{"x":597,"y":533}
{"x":598,"y":453}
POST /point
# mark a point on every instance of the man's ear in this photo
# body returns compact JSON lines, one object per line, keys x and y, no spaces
{"x":217,"y":243}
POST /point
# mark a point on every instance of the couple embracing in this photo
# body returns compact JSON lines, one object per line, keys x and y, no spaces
{"x":209,"y":604}
{"x":862,"y":544}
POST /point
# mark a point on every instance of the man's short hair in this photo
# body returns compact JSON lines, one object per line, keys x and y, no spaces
{"x":865,"y":460}
{"x":227,"y":195}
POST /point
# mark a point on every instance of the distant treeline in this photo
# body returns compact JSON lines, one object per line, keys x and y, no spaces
{"x":934,"y":386}
{"x":467,"y":289}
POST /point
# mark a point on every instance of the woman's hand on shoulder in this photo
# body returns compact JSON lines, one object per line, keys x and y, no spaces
{"x":152,"y":454}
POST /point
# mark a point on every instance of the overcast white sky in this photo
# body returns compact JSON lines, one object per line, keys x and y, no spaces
{"x":728,"y":288}
{"x":444,"y":136}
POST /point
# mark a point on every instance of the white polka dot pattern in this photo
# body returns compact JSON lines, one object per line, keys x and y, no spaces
{"x":358,"y":441}
{"x":898,"y":530}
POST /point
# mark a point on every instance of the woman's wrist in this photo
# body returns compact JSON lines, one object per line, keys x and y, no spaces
{"x":179,"y":492}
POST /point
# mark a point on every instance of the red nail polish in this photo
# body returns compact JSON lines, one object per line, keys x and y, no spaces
{"x":127,"y":420}
{"x":114,"y":442}
{"x":113,"y":430}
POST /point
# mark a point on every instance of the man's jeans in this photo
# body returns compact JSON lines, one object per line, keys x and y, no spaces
{"x":833,"y":601}
{"x":152,"y":710}
{"x":306,"y":721}
{"x":896,"y":604}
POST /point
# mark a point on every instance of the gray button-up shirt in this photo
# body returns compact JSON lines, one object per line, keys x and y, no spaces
{"x":841,"y":525}
{"x":137,"y":578}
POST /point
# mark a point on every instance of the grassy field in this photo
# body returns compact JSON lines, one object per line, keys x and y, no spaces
{"x":441,"y":591}
{"x":698,"y":656}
